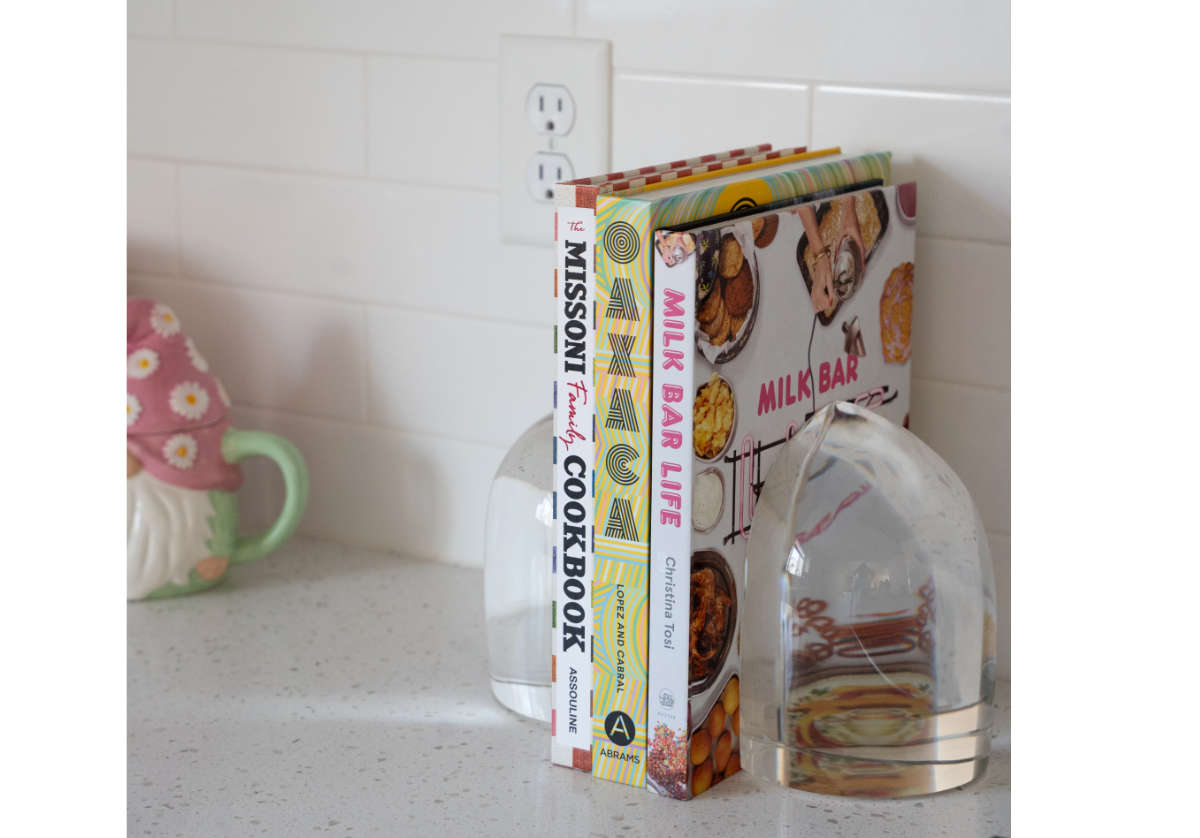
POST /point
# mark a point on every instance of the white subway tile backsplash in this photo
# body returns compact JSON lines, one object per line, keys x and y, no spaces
{"x":265,"y":107}
{"x":1001,"y":547}
{"x":152,"y":243}
{"x":956,"y":147}
{"x":427,"y":120}
{"x":470,"y":379}
{"x":410,"y":494}
{"x":961,"y":317}
{"x":294,"y":353}
{"x":944,"y":43}
{"x":657,"y":118}
{"x":970,"y":428}
{"x":313,"y":188}
{"x":457,"y":28}
{"x":148,"y":17}
{"x":426,"y":248}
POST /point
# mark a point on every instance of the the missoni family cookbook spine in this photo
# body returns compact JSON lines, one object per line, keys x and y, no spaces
{"x":756,"y":327}
{"x":620,"y":585}
{"x":573,"y":449}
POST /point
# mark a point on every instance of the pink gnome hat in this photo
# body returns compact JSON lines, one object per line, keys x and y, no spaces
{"x":176,"y":411}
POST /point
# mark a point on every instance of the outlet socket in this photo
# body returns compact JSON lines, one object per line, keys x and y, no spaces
{"x":550,"y":109}
{"x":545,"y":169}
{"x":538,"y":76}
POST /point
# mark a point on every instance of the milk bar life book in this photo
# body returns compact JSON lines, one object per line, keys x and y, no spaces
{"x":758,"y":322}
{"x":573,"y":446}
{"x":624,"y":226}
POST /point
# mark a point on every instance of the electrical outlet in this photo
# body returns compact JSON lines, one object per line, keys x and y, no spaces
{"x":550,"y":109}
{"x":555,"y":113}
{"x":545,"y":169}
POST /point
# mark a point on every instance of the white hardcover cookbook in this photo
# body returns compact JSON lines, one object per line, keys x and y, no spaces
{"x":755,"y":328}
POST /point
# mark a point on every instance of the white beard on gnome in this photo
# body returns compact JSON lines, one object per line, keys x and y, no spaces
{"x":167,"y":533}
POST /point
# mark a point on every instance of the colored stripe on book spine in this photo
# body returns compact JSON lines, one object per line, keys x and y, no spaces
{"x":597,"y":180}
{"x":680,"y":209}
{"x":634,"y":182}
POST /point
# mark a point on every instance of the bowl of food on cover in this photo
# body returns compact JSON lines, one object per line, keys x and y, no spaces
{"x":713,"y":620}
{"x":847,"y":268}
{"x":714,"y":416}
{"x":708,"y":499}
{"x":726,"y":292}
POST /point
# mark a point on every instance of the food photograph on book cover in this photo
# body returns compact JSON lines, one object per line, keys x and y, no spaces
{"x":792,"y":309}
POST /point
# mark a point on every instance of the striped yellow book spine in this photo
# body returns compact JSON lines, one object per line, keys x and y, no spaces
{"x":620,"y":585}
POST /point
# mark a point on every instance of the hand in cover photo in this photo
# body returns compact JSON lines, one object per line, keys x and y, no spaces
{"x":839,"y":237}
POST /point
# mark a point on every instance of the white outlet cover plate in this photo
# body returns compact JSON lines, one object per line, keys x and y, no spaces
{"x":584,"y":67}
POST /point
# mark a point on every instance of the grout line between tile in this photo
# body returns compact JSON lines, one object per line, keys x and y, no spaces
{"x":918,"y":92}
{"x":365,"y":303}
{"x":455,"y":315}
{"x":306,"y":48}
{"x":368,"y":425}
{"x":692,"y":78}
{"x":315,"y":174}
{"x":938,"y":237}
{"x":987,"y":388}
{"x":927,"y":91}
{"x":366,"y":106}
{"x":812,"y":96}
{"x":176,"y":197}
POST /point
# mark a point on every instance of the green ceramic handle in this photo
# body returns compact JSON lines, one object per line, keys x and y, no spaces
{"x":238,"y":445}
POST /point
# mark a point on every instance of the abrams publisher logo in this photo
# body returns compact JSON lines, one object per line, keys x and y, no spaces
{"x":666,"y":698}
{"x":619,"y":728}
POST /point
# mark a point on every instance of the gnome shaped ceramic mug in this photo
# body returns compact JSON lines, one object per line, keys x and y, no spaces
{"x":182,"y":468}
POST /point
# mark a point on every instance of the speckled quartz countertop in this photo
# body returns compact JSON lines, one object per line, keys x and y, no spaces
{"x":326,"y":689}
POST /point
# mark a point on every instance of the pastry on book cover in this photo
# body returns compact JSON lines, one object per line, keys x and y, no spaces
{"x":758,"y":323}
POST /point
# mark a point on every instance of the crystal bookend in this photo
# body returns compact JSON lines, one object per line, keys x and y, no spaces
{"x":869,"y":627}
{"x":517,"y":574}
